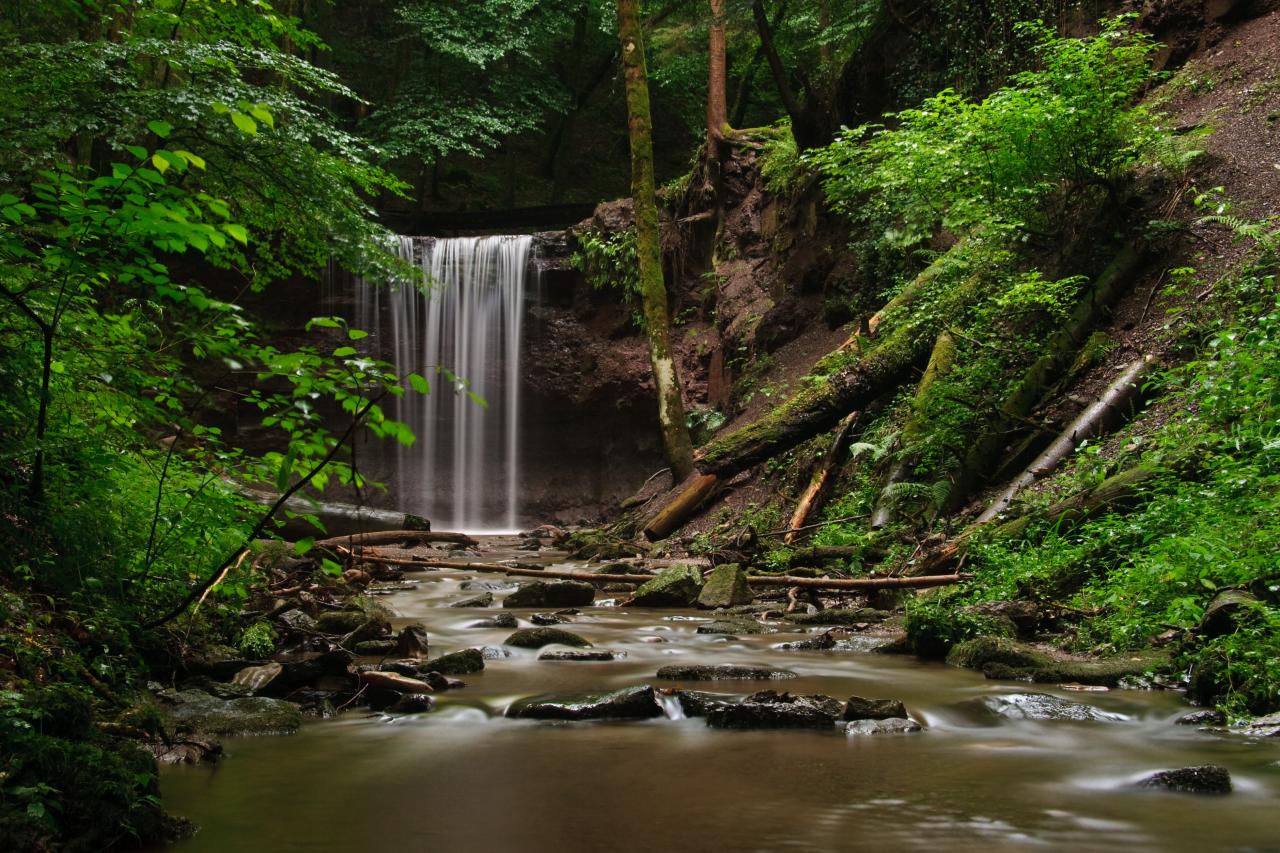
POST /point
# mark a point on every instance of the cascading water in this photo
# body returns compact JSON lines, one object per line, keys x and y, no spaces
{"x":463,"y":333}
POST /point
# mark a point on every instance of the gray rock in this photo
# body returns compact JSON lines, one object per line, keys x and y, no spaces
{"x":676,"y":586}
{"x":820,"y":701}
{"x":489,"y":586}
{"x":631,"y":703}
{"x":820,"y":643}
{"x":1205,"y":779}
{"x":1040,"y":706}
{"x":498,"y":620}
{"x":551,"y":594}
{"x":1206,"y":717}
{"x":456,"y":663}
{"x":545,"y":619}
{"x":858,"y":708}
{"x":493,"y":653}
{"x":696,"y":703}
{"x":536,"y":638}
{"x":1266,"y":726}
{"x":197,"y":711}
{"x":297,"y":621}
{"x":582,"y":655}
{"x":891,"y":726}
{"x":731,"y":627}
{"x":484,"y":599}
{"x":722,"y":672}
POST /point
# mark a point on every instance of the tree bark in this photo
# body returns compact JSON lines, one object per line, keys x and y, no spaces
{"x":653,"y":293}
{"x":717,"y":110}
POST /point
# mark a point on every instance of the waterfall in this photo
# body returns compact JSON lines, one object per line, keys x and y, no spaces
{"x":463,"y":334}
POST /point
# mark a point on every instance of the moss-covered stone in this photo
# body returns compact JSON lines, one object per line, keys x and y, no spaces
{"x":726,"y":586}
{"x":455,"y":663}
{"x":677,"y":586}
{"x":197,"y":711}
{"x":854,"y":616}
{"x":536,"y":638}
{"x":551,"y":594}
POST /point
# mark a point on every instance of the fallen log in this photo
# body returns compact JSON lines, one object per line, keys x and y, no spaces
{"x":391,"y":537}
{"x":756,"y":580}
{"x":1109,"y":406}
{"x":679,"y":508}
{"x":819,"y":553}
{"x":821,"y":479}
{"x":905,"y":298}
{"x":1059,"y":353}
{"x":819,"y":406}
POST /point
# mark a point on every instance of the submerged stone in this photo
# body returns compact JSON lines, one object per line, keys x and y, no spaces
{"x":551,"y":594}
{"x":484,"y":599}
{"x":412,"y":703}
{"x":1205,"y":779}
{"x":498,"y":620}
{"x":771,"y":710}
{"x":631,"y":703}
{"x":722,"y":672}
{"x":582,"y":655}
{"x":536,"y":638}
{"x":839,"y":617}
{"x":1041,"y":706}
{"x":731,"y":626}
{"x":411,"y":642}
{"x":677,"y":586}
{"x":695,"y":703}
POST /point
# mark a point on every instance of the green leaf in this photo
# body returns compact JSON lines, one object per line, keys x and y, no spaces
{"x":243,"y":122}
{"x":330,"y":567}
{"x":237,"y":232}
{"x":302,"y":546}
{"x":286,"y":470}
{"x":161,"y":129}
{"x":137,"y":151}
{"x":356,"y":334}
{"x":343,"y":352}
{"x":161,"y":164}
{"x":262,"y":114}
{"x":194,"y":160}
{"x":419,"y":384}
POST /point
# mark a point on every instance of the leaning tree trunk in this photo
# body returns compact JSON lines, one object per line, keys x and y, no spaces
{"x":653,"y":292}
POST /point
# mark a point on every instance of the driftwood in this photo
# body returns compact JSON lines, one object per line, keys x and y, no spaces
{"x":391,"y":537}
{"x":940,"y":361}
{"x":817,"y":488}
{"x":679,"y":508}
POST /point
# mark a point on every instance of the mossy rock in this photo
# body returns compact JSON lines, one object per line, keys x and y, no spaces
{"x":1006,"y":659}
{"x":197,"y":711}
{"x":536,"y":638}
{"x":839,"y":617}
{"x":455,"y":663}
{"x":677,"y":586}
{"x":551,"y":594}
{"x":599,"y":545}
{"x":726,"y":586}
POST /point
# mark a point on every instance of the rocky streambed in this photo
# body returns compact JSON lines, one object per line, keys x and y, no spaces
{"x":581,"y":725}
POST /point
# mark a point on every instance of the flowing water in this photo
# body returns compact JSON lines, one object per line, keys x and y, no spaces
{"x":464,"y":778}
{"x":463,"y":334}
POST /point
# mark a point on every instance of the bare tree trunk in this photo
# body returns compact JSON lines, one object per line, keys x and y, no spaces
{"x":716,"y":108}
{"x":653,"y":292}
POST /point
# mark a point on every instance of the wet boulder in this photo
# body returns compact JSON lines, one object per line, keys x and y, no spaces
{"x":455,"y":663}
{"x":375,"y":648}
{"x":484,"y":599}
{"x":291,"y":671}
{"x":197,"y":711}
{"x":357,"y":623}
{"x":545,"y":619}
{"x":1041,"y":706}
{"x":1205,"y":717}
{"x":825,"y":641}
{"x":488,"y":586}
{"x":379,"y":680}
{"x":412,"y":703}
{"x":890,"y":726}
{"x":297,"y":621}
{"x":631,"y":703}
{"x":695,"y":703}
{"x":726,"y":586}
{"x":677,"y":586}
{"x":769,"y":709}
{"x":1205,"y":779}
{"x":858,"y":708}
{"x":582,"y":655}
{"x":551,"y":594}
{"x":536,"y":638}
{"x":722,"y":672}
{"x":498,"y":620}
{"x":1006,"y":659}
{"x":411,"y":642}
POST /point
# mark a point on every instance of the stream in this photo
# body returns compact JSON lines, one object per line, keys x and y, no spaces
{"x":464,"y":778}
